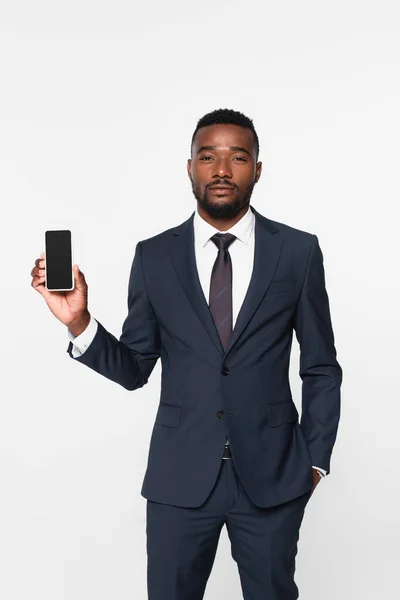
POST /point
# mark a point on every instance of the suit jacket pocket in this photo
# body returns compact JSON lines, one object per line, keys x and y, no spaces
{"x":284,"y":285}
{"x":168,"y":415}
{"x":280,"y":413}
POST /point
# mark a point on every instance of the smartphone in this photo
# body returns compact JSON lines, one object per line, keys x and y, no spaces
{"x":58,"y":260}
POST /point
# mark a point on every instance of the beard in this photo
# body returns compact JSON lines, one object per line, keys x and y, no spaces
{"x":222,"y":207}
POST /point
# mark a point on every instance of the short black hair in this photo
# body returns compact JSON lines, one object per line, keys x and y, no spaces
{"x":229,"y":117}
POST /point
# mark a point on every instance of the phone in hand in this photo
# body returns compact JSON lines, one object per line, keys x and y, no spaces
{"x":58,"y":260}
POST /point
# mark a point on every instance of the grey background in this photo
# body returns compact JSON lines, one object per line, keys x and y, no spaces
{"x":98,"y":104}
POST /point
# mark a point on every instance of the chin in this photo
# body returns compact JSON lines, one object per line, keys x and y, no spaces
{"x":221,"y":209}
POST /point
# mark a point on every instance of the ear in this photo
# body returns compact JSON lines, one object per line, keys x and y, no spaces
{"x":258,"y":171}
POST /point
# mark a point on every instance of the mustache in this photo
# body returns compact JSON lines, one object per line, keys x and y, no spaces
{"x":221,"y":183}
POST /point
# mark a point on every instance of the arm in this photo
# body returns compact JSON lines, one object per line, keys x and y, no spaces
{"x":130,"y":360}
{"x":320,"y":372}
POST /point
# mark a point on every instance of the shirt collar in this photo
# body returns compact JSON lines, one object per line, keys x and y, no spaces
{"x":243,"y":229}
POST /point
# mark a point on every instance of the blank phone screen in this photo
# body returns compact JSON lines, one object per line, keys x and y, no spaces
{"x":58,"y":259}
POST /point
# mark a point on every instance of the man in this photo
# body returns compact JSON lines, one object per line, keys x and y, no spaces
{"x":218,"y":298}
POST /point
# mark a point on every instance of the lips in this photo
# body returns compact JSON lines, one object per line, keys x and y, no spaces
{"x":221,"y":187}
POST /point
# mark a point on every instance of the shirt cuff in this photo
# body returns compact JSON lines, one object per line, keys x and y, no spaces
{"x":84,"y":339}
{"x":322,"y":472}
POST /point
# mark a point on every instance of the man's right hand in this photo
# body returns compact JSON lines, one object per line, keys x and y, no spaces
{"x":70,"y":307}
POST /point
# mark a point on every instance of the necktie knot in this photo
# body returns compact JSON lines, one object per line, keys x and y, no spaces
{"x":223,"y":240}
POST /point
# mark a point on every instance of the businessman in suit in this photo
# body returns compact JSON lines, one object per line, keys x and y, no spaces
{"x":217,"y":298}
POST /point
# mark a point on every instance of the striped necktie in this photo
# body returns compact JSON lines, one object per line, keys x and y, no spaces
{"x":220,"y":301}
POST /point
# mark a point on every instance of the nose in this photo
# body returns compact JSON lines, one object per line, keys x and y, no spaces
{"x":222,"y":168}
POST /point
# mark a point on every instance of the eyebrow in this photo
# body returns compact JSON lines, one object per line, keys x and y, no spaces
{"x":235,"y":148}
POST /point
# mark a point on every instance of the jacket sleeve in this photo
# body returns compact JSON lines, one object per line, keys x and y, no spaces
{"x":130,"y":360}
{"x":320,"y":372}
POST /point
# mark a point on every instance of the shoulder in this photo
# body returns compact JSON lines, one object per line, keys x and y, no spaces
{"x":156,"y":247}
{"x":298,"y":238}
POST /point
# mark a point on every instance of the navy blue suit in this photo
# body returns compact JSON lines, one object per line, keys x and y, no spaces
{"x":248,"y":385}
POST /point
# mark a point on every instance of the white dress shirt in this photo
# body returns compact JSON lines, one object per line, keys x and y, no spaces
{"x":241,"y":251}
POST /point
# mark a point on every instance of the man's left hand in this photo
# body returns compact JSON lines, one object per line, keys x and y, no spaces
{"x":316,"y":478}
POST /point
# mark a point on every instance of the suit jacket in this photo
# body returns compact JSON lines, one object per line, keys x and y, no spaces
{"x":244,"y":392}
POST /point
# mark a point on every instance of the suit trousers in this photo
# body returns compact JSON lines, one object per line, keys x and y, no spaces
{"x":182,"y":543}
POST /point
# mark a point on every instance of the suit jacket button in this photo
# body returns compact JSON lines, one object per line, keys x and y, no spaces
{"x":225,"y":371}
{"x":220,"y":414}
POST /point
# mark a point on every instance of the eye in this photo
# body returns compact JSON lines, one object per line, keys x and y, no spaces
{"x":204,"y":158}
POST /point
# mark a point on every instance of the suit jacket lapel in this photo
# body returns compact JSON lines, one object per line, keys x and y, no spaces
{"x":266,"y":256}
{"x":267,"y":251}
{"x":184,"y":262}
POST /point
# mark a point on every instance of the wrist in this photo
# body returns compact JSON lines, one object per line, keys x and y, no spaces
{"x":78,"y":326}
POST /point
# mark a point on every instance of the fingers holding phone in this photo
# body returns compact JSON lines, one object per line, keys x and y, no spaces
{"x":69,"y":306}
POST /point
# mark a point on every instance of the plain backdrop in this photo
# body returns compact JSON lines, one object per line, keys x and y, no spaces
{"x":98,"y":103}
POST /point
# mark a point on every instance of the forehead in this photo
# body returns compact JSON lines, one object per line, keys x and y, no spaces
{"x":223,"y":136}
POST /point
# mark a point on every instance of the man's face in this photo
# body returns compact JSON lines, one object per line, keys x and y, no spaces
{"x":223,"y":155}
